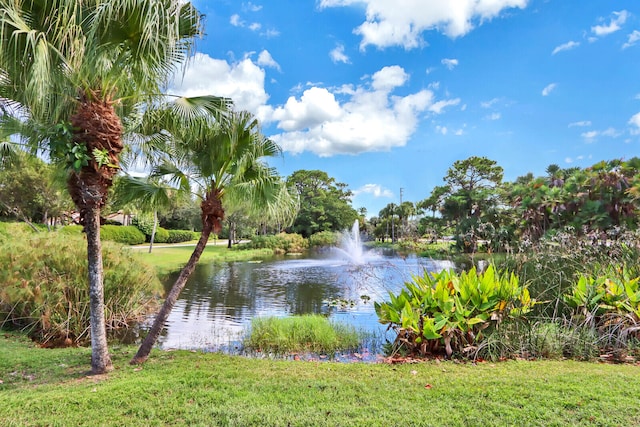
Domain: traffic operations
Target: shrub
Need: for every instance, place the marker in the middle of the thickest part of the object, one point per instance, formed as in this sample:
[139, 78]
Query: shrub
[324, 239]
[308, 333]
[125, 234]
[161, 236]
[179, 236]
[280, 243]
[44, 289]
[450, 312]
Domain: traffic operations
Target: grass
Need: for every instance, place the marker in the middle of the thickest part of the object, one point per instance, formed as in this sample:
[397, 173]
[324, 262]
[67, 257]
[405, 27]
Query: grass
[168, 259]
[298, 334]
[49, 387]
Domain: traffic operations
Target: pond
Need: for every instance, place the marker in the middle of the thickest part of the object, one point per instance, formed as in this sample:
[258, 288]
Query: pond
[215, 309]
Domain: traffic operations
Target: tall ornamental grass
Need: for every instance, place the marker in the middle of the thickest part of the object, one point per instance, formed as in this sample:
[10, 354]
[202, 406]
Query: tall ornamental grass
[44, 289]
[299, 334]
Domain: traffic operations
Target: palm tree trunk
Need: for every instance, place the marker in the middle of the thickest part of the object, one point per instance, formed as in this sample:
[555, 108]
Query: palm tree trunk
[162, 316]
[153, 231]
[100, 359]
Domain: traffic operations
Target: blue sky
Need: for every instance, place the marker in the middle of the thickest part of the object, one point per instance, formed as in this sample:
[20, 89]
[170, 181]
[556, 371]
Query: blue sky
[385, 95]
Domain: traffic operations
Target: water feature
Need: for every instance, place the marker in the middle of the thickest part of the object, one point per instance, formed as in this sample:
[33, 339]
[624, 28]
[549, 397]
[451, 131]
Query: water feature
[219, 300]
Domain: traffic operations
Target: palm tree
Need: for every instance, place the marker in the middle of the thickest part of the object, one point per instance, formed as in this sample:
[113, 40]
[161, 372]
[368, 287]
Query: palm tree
[223, 160]
[75, 68]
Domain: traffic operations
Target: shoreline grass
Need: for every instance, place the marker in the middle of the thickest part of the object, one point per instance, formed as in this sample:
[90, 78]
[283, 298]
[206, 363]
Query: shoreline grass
[300, 334]
[50, 387]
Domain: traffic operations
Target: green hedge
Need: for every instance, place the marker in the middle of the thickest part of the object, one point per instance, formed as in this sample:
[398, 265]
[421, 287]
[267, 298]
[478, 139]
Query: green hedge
[179, 236]
[126, 234]
[161, 236]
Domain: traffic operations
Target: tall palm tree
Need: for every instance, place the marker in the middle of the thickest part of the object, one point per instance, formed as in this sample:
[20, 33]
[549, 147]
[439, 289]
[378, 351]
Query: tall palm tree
[224, 161]
[76, 67]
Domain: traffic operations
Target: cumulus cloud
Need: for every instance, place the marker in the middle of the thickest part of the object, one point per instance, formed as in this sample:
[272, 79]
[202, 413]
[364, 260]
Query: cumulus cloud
[353, 119]
[350, 119]
[615, 24]
[241, 81]
[401, 23]
[566, 46]
[548, 89]
[634, 121]
[583, 123]
[450, 63]
[632, 39]
[374, 189]
[266, 60]
[338, 55]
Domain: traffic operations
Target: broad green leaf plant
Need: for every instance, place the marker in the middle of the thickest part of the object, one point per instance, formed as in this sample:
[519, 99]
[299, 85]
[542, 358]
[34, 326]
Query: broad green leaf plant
[449, 311]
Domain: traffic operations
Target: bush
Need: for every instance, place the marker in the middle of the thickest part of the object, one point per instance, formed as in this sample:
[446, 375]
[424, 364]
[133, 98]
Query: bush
[179, 236]
[309, 333]
[125, 234]
[450, 312]
[324, 239]
[280, 243]
[161, 236]
[44, 287]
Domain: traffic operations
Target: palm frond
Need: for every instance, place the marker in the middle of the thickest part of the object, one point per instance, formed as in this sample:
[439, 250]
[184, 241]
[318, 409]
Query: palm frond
[147, 193]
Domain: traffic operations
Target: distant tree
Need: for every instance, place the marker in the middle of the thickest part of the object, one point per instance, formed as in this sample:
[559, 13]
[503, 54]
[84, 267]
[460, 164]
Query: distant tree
[470, 199]
[325, 205]
[30, 190]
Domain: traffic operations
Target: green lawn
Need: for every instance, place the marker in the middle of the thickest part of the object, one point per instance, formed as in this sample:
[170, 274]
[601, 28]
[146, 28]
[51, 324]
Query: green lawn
[49, 387]
[171, 258]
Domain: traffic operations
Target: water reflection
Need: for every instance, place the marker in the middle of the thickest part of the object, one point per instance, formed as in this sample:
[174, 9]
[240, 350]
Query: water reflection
[219, 300]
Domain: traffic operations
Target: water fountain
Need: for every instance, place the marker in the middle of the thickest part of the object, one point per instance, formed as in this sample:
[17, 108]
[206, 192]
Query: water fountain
[351, 246]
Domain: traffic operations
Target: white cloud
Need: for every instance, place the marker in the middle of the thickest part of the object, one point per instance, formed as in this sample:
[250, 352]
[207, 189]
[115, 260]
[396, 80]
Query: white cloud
[375, 189]
[615, 24]
[442, 129]
[388, 78]
[568, 160]
[266, 60]
[635, 124]
[583, 123]
[236, 21]
[548, 89]
[494, 116]
[450, 63]
[632, 39]
[401, 23]
[592, 135]
[316, 106]
[438, 106]
[369, 117]
[250, 7]
[566, 46]
[346, 120]
[338, 55]
[241, 81]
[490, 103]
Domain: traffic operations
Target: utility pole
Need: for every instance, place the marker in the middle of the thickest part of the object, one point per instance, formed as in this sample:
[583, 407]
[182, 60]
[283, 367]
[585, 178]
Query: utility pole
[400, 215]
